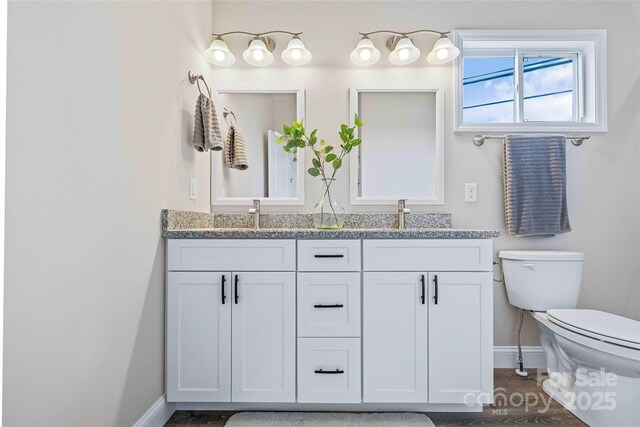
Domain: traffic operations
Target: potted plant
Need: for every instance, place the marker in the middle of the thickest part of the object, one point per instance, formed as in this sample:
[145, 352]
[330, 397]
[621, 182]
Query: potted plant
[327, 213]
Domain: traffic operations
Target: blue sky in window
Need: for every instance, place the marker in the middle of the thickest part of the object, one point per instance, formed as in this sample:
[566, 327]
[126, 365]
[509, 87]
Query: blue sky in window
[489, 86]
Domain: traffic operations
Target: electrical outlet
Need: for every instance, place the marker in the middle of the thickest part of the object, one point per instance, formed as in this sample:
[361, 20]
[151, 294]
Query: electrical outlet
[471, 192]
[193, 188]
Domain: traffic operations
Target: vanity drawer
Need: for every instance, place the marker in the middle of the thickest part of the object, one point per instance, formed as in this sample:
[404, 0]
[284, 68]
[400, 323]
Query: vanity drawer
[329, 304]
[329, 370]
[231, 255]
[329, 255]
[427, 254]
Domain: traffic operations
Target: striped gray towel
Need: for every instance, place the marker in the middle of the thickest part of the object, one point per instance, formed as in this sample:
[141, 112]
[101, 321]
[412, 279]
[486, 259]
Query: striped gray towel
[206, 129]
[535, 185]
[235, 155]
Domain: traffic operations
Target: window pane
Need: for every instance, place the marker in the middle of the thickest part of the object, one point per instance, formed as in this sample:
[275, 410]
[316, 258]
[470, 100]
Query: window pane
[548, 88]
[488, 90]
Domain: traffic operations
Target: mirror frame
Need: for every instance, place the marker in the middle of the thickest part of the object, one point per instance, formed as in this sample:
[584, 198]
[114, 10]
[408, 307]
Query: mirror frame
[354, 166]
[217, 198]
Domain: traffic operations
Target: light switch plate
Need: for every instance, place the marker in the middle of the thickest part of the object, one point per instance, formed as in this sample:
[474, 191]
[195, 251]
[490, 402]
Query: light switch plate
[193, 188]
[471, 192]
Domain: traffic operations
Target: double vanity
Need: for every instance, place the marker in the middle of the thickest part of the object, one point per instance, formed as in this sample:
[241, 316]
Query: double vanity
[299, 319]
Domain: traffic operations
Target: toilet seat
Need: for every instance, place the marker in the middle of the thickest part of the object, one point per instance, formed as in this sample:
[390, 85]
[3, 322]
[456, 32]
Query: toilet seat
[600, 325]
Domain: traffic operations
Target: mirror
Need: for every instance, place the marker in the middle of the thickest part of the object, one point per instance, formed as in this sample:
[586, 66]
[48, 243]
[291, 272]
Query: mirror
[402, 150]
[268, 173]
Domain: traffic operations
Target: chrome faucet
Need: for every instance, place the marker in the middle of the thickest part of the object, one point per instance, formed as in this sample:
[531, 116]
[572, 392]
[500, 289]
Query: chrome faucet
[402, 212]
[255, 211]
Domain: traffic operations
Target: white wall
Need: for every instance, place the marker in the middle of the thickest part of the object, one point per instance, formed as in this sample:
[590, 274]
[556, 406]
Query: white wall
[99, 121]
[603, 174]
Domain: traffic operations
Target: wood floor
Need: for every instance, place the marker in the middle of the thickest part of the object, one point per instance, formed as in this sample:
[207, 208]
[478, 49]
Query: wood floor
[511, 393]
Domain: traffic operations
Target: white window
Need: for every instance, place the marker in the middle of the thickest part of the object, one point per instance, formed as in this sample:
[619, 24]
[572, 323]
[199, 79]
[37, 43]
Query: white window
[531, 80]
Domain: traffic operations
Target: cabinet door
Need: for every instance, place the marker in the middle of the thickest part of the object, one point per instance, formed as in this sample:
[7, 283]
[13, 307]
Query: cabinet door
[198, 337]
[394, 338]
[264, 337]
[460, 337]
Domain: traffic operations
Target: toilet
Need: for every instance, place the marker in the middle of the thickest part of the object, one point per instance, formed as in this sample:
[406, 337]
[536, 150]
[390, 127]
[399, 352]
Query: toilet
[593, 357]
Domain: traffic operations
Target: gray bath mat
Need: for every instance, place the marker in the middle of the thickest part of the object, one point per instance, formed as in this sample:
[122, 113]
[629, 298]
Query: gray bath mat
[323, 419]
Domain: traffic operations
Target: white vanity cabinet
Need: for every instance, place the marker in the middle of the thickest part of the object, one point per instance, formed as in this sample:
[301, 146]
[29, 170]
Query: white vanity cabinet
[231, 335]
[395, 337]
[198, 337]
[460, 306]
[370, 323]
[428, 333]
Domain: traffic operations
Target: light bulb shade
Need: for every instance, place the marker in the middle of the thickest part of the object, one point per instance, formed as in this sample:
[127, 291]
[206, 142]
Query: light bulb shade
[257, 54]
[443, 51]
[365, 53]
[404, 53]
[296, 53]
[218, 54]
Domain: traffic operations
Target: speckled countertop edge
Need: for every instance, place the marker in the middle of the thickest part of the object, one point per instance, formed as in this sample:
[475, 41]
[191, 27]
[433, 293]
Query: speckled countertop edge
[201, 225]
[345, 233]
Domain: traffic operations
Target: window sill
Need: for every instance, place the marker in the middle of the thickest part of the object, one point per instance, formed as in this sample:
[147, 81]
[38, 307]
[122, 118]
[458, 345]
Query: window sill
[532, 127]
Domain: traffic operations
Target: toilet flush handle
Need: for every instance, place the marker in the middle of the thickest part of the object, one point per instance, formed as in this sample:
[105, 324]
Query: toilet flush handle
[529, 266]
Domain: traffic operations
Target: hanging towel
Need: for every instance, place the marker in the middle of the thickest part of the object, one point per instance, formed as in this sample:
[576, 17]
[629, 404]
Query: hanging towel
[535, 187]
[235, 152]
[206, 129]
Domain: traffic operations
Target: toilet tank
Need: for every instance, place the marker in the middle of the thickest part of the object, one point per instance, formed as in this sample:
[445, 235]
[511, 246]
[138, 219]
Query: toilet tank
[542, 280]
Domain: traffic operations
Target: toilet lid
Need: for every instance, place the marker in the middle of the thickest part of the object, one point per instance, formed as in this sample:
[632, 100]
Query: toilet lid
[605, 326]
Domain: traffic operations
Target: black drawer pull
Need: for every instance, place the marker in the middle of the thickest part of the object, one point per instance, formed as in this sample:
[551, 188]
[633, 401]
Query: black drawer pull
[329, 256]
[235, 296]
[435, 293]
[337, 371]
[328, 306]
[422, 283]
[224, 297]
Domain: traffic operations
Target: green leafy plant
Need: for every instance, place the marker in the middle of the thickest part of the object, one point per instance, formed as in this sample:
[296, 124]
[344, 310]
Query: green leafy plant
[325, 161]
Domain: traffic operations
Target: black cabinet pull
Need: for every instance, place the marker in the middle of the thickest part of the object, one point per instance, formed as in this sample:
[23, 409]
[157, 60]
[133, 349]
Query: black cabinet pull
[235, 288]
[435, 294]
[328, 306]
[329, 256]
[224, 279]
[337, 371]
[422, 283]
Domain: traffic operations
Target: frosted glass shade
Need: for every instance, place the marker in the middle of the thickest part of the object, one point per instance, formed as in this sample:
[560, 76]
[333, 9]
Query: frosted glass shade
[218, 54]
[443, 51]
[257, 54]
[296, 53]
[365, 53]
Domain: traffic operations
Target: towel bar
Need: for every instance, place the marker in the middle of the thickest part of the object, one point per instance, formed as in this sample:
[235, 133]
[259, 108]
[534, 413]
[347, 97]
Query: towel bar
[576, 140]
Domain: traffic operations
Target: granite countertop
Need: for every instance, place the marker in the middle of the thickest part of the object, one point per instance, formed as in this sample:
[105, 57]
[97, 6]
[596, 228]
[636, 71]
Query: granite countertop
[345, 233]
[196, 225]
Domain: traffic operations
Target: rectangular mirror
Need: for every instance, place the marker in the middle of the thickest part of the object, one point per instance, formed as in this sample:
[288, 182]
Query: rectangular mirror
[402, 150]
[271, 176]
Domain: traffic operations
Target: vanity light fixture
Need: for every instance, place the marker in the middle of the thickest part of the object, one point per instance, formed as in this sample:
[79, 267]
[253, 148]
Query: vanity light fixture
[260, 50]
[402, 49]
[365, 52]
[218, 53]
[404, 52]
[296, 53]
[443, 51]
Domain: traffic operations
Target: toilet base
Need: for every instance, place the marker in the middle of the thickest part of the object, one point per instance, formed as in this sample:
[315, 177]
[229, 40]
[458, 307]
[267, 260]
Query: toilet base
[597, 383]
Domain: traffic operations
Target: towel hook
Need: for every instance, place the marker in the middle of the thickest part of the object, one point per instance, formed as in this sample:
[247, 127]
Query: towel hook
[195, 79]
[225, 113]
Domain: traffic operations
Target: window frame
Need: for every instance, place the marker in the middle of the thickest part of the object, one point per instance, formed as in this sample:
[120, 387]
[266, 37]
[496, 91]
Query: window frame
[589, 48]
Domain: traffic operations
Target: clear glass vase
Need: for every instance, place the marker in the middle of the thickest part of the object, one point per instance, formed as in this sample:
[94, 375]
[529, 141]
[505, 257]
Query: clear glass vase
[327, 213]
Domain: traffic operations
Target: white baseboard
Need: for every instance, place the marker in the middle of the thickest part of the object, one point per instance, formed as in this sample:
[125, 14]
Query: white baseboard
[158, 414]
[506, 356]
